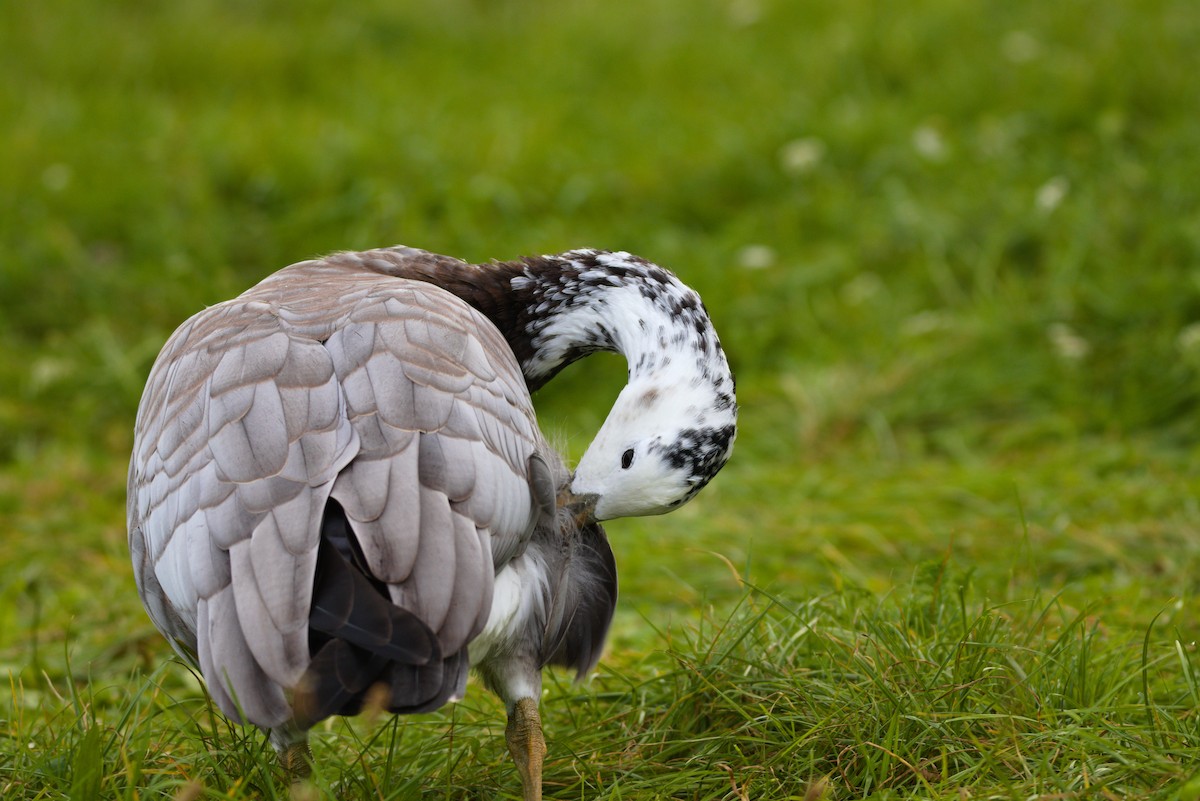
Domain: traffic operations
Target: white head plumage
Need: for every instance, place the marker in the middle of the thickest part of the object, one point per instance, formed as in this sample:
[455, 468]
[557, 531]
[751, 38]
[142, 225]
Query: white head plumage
[673, 425]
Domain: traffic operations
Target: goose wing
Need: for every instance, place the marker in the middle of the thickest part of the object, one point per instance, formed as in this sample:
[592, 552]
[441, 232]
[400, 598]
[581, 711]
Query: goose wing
[390, 396]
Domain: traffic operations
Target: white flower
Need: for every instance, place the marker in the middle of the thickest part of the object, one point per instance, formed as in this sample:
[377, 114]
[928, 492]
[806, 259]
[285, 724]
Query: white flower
[743, 13]
[925, 322]
[1020, 47]
[862, 288]
[1051, 194]
[1069, 345]
[756, 257]
[57, 177]
[1188, 340]
[801, 155]
[929, 143]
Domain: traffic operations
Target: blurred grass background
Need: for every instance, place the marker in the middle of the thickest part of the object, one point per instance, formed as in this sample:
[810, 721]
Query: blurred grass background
[953, 250]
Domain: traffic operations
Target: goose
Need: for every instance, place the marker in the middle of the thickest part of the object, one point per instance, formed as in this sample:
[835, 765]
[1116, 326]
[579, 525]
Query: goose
[339, 492]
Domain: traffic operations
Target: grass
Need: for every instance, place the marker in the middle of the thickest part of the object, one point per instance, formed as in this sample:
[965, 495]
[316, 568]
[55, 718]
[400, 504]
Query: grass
[923, 697]
[952, 249]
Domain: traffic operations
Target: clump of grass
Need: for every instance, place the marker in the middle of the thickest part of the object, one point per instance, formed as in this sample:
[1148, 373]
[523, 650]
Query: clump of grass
[930, 693]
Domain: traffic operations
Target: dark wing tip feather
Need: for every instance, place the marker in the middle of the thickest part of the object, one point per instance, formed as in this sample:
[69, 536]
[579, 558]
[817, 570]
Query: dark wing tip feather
[359, 639]
[347, 606]
[336, 682]
[592, 573]
[414, 689]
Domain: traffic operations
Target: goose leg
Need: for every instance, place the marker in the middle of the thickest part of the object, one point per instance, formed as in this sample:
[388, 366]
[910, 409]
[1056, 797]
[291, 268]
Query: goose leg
[527, 745]
[295, 757]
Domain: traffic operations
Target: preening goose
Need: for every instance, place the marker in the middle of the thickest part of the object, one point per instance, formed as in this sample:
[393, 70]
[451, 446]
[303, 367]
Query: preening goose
[338, 482]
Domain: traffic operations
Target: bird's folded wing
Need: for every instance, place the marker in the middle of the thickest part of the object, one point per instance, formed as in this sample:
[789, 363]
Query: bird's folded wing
[240, 435]
[441, 488]
[393, 396]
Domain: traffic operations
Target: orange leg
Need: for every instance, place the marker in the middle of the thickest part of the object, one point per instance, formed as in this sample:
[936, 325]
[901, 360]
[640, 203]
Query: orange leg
[527, 745]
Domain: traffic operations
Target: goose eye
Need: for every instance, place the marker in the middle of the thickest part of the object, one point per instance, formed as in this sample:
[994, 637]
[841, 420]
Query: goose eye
[627, 459]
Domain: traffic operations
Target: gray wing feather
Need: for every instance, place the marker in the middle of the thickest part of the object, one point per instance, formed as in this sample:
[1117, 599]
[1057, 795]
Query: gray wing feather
[447, 463]
[203, 644]
[244, 690]
[383, 507]
[228, 522]
[209, 565]
[178, 632]
[430, 588]
[472, 585]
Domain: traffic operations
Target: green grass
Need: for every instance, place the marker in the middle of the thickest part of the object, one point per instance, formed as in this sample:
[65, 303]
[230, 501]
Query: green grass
[953, 250]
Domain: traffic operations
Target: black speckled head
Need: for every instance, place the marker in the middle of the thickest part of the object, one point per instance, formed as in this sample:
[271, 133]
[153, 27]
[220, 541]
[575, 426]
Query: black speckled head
[673, 425]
